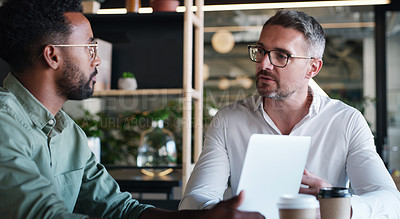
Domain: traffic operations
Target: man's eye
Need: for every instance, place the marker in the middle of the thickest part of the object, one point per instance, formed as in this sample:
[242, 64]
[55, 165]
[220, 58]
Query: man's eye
[281, 55]
[260, 50]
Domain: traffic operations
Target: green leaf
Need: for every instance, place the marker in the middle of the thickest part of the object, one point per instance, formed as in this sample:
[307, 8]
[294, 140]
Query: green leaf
[128, 74]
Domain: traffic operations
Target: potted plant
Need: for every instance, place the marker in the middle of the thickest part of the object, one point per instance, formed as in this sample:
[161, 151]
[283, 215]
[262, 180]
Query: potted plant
[117, 138]
[164, 5]
[120, 134]
[90, 124]
[127, 81]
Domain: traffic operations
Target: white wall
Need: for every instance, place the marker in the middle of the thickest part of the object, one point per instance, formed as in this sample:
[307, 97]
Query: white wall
[75, 108]
[369, 79]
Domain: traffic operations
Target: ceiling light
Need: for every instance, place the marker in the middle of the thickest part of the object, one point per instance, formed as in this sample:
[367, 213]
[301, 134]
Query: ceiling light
[254, 6]
[145, 10]
[303, 4]
[223, 41]
[259, 27]
[112, 11]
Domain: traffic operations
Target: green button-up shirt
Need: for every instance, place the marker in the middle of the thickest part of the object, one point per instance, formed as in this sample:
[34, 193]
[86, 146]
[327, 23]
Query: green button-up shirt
[46, 167]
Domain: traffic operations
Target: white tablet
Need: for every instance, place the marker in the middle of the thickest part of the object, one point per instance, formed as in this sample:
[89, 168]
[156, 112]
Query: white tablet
[273, 166]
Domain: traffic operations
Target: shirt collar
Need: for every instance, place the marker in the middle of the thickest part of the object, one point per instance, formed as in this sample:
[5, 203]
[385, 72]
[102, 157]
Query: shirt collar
[316, 102]
[257, 102]
[38, 113]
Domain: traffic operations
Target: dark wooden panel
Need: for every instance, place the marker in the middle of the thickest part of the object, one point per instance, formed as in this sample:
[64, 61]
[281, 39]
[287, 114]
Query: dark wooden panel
[4, 70]
[149, 45]
[381, 83]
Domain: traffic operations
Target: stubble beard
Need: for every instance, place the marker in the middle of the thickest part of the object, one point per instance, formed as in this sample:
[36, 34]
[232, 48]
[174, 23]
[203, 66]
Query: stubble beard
[73, 84]
[266, 91]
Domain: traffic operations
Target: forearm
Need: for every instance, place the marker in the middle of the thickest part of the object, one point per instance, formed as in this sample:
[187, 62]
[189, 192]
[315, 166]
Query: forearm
[375, 194]
[207, 187]
[378, 204]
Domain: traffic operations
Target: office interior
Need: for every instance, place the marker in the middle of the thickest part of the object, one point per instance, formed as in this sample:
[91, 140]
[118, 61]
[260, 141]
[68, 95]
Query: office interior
[361, 67]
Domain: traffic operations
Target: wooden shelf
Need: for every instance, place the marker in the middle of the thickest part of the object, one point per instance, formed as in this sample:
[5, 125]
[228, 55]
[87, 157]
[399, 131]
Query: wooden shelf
[139, 92]
[178, 40]
[146, 92]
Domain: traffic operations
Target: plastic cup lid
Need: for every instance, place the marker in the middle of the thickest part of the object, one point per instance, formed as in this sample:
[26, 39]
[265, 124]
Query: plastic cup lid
[334, 192]
[297, 201]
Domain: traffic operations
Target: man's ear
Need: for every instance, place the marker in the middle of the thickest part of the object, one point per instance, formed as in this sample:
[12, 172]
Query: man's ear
[316, 65]
[52, 56]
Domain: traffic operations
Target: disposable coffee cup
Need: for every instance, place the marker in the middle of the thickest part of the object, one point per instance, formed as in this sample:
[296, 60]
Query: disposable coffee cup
[298, 206]
[334, 203]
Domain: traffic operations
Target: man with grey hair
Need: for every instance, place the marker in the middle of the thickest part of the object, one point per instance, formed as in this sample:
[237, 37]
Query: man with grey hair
[47, 169]
[287, 55]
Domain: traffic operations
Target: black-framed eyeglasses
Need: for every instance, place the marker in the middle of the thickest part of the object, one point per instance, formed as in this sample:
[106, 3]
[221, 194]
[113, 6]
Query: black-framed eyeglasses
[92, 48]
[277, 58]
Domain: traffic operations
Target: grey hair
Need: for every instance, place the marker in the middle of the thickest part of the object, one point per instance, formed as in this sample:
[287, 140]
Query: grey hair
[300, 21]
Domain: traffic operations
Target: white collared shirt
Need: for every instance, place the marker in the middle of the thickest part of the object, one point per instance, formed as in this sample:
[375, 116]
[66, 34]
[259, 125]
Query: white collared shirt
[342, 149]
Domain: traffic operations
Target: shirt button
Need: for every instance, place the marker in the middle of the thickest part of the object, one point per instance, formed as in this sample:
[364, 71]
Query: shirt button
[51, 122]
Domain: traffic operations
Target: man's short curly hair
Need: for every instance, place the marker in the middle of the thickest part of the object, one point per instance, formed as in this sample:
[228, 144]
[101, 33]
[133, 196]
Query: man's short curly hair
[29, 25]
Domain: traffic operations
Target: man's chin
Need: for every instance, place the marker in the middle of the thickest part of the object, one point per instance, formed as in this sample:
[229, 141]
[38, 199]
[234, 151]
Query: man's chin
[262, 91]
[89, 94]
[81, 95]
[270, 94]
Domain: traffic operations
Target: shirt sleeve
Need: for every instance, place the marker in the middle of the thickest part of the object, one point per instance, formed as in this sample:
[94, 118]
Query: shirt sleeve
[24, 191]
[209, 179]
[375, 194]
[100, 195]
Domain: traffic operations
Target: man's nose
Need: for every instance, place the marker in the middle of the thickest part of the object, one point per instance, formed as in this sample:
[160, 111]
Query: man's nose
[97, 61]
[266, 62]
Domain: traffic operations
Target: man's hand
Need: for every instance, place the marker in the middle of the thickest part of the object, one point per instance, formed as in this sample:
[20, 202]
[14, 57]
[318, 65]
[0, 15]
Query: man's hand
[313, 182]
[228, 209]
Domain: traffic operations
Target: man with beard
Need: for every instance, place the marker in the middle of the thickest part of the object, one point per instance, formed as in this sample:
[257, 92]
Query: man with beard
[287, 55]
[46, 167]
